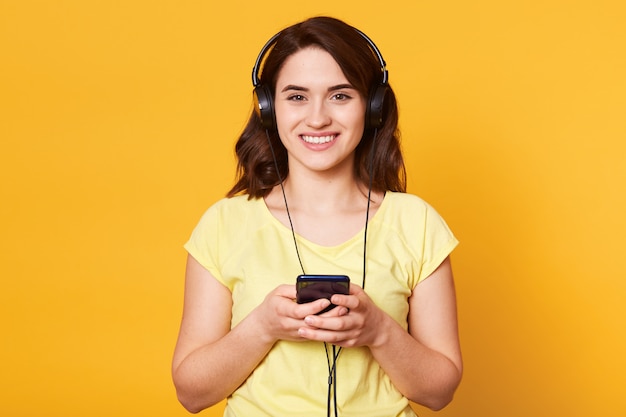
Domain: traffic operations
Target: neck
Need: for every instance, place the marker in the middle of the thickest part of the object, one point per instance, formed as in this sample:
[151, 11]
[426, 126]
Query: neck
[324, 192]
[325, 211]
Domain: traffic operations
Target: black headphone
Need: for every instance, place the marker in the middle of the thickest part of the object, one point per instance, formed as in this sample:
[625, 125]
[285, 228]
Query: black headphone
[264, 101]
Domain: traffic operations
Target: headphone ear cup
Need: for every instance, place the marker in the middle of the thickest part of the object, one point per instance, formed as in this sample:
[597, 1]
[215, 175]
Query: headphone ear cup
[374, 111]
[264, 107]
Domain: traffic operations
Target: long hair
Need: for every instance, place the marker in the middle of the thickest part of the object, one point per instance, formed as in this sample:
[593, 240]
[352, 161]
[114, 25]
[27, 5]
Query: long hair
[256, 169]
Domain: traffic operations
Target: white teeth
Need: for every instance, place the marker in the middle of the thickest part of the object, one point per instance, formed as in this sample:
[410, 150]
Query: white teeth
[318, 139]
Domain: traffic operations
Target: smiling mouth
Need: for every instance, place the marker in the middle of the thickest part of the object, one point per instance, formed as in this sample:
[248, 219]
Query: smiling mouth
[318, 139]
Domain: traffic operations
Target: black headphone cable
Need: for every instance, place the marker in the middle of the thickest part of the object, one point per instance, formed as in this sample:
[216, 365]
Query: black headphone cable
[282, 187]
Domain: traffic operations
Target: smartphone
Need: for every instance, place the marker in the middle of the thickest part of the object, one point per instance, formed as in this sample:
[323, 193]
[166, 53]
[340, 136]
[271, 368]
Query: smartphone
[313, 287]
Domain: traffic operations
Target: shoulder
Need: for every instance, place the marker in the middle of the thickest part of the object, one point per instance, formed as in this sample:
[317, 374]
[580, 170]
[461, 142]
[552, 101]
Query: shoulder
[404, 211]
[233, 205]
[418, 228]
[232, 212]
[406, 203]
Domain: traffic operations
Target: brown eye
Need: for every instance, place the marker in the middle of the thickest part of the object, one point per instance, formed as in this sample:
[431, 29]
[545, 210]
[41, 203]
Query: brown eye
[341, 97]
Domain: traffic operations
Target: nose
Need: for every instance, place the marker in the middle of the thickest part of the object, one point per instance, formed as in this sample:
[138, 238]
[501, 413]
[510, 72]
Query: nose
[318, 115]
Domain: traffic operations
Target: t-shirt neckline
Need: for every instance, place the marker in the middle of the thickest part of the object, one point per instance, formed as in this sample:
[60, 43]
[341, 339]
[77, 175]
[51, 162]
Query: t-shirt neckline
[301, 239]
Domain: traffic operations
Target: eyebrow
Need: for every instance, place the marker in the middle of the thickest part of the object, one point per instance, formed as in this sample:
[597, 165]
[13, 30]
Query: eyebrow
[292, 87]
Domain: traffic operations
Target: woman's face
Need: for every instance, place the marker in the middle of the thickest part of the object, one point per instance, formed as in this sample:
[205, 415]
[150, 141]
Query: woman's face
[320, 116]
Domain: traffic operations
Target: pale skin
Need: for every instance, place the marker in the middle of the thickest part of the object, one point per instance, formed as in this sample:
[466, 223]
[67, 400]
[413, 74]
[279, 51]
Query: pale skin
[327, 206]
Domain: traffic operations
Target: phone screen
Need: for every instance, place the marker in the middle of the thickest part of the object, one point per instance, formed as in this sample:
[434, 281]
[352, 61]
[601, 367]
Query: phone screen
[313, 287]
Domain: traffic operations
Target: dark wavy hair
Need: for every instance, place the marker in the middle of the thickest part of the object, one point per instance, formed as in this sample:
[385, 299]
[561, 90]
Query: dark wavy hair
[256, 170]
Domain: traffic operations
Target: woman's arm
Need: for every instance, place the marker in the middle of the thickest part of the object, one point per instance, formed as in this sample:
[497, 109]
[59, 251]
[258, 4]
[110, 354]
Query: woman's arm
[211, 360]
[424, 363]
[428, 366]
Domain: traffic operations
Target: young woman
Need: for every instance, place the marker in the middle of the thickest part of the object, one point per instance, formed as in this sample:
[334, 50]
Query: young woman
[320, 190]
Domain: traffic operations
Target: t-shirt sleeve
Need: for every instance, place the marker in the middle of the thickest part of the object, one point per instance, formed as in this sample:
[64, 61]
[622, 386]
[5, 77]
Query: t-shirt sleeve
[439, 242]
[203, 242]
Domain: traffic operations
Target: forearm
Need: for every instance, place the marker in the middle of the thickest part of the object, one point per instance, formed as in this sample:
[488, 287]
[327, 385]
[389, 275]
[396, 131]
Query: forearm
[423, 375]
[211, 373]
[425, 362]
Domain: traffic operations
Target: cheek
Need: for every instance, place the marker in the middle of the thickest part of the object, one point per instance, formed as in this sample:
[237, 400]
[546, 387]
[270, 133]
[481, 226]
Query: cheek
[355, 114]
[283, 127]
[284, 124]
[284, 116]
[355, 118]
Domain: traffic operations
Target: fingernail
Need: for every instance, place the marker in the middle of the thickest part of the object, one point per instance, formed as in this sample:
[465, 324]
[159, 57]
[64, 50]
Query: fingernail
[308, 320]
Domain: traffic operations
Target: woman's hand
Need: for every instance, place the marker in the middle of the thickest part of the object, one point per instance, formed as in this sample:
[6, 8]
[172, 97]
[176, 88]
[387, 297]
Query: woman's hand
[424, 363]
[280, 317]
[206, 341]
[356, 321]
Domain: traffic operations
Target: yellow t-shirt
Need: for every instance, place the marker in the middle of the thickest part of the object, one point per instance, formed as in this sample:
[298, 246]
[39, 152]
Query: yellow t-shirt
[249, 251]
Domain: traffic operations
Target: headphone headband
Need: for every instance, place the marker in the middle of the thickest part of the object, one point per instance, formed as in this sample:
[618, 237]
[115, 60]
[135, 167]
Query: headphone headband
[257, 65]
[383, 64]
[255, 71]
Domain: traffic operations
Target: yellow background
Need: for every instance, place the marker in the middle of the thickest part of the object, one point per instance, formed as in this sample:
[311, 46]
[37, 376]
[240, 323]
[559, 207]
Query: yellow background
[117, 122]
